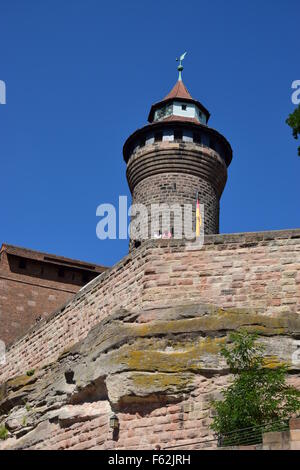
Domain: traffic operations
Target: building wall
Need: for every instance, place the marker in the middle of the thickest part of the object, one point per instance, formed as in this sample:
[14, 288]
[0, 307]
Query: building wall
[256, 270]
[30, 289]
[24, 298]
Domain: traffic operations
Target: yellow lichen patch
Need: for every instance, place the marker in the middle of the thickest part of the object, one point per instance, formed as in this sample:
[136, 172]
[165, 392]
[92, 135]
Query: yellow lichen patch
[271, 362]
[263, 330]
[21, 381]
[161, 382]
[190, 356]
[223, 320]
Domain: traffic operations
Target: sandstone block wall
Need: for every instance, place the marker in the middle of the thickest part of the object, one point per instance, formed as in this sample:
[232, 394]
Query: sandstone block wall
[256, 270]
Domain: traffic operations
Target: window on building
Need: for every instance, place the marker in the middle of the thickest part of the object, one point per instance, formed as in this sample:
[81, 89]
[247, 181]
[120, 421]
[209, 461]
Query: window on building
[158, 137]
[197, 138]
[61, 272]
[212, 144]
[178, 135]
[85, 277]
[183, 107]
[169, 110]
[143, 142]
[22, 263]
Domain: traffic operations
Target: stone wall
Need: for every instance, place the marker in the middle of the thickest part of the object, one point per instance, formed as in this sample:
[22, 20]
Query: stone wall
[286, 440]
[255, 270]
[283, 440]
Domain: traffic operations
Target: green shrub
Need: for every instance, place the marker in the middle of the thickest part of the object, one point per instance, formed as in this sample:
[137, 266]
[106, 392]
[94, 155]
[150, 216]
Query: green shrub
[257, 399]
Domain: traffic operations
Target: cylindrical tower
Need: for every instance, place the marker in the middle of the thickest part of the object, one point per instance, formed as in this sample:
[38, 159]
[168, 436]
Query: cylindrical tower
[176, 156]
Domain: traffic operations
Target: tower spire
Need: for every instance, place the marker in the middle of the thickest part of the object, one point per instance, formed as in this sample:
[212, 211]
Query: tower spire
[180, 66]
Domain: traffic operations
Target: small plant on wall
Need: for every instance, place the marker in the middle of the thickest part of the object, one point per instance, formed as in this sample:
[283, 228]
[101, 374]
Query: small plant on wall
[3, 433]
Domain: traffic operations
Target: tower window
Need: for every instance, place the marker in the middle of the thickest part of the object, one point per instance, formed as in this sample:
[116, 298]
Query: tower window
[143, 142]
[158, 137]
[183, 107]
[212, 144]
[177, 134]
[197, 138]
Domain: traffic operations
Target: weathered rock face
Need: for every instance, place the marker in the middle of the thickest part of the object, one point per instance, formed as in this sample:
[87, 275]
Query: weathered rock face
[156, 369]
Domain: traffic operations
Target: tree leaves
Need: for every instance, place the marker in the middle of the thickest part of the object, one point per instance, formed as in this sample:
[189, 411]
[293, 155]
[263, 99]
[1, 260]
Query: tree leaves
[258, 396]
[294, 122]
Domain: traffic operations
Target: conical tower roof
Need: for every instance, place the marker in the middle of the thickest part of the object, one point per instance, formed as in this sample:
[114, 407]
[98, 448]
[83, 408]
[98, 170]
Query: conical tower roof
[179, 92]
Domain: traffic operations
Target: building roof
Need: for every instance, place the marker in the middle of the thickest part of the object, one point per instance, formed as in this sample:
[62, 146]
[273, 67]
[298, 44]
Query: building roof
[180, 92]
[49, 258]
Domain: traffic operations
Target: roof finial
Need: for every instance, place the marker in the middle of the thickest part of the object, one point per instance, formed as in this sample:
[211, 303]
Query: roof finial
[180, 66]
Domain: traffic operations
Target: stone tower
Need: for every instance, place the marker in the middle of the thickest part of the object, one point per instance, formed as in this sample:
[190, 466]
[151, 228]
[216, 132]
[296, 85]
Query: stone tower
[177, 155]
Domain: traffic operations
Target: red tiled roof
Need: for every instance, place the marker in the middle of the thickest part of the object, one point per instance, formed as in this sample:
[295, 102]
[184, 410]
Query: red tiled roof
[179, 90]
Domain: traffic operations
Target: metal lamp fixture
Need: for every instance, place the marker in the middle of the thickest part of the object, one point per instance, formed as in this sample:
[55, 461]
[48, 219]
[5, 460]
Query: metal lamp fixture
[114, 422]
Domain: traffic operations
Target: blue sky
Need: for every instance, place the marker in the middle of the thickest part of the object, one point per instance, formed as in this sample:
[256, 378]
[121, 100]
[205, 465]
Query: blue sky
[81, 76]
